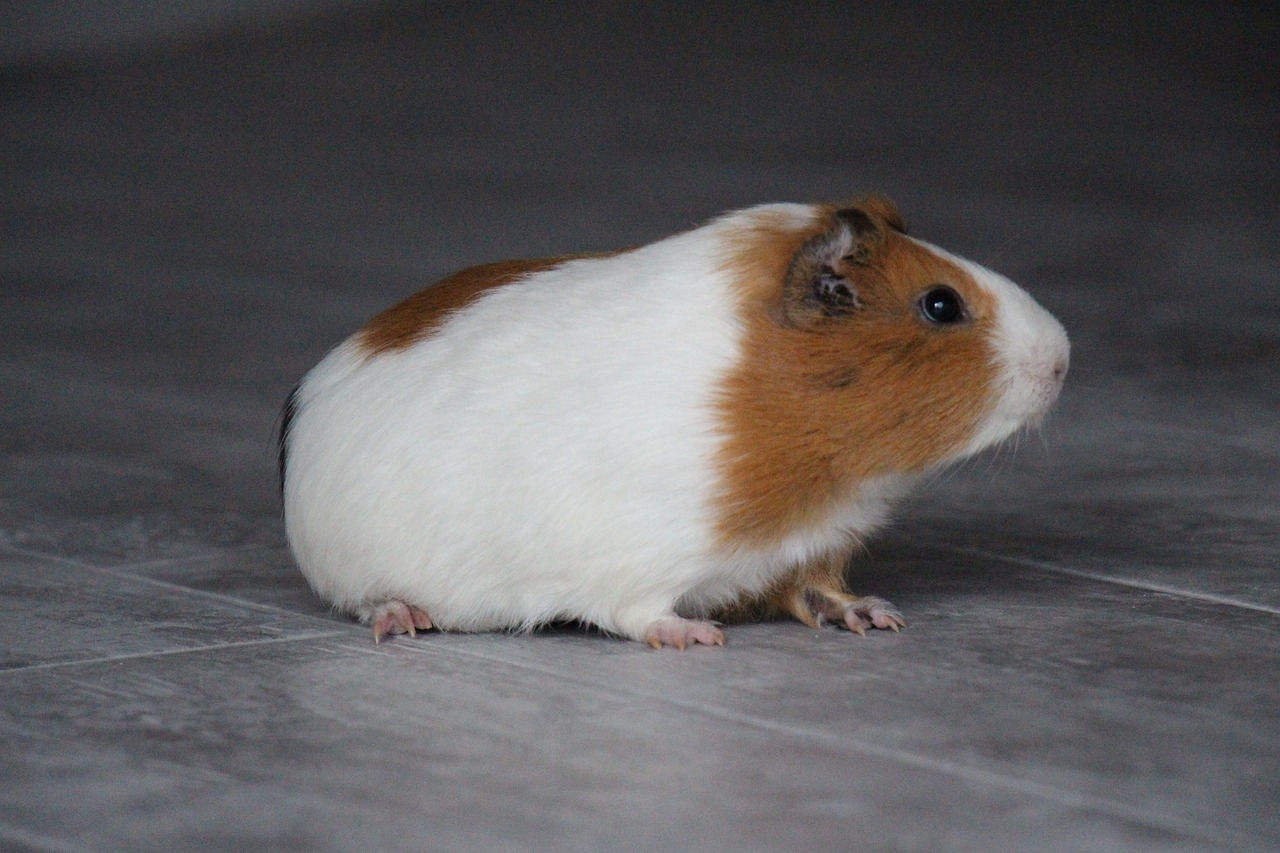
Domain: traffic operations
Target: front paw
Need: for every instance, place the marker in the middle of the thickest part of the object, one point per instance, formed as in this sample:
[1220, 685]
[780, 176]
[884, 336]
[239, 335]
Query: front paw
[865, 612]
[855, 612]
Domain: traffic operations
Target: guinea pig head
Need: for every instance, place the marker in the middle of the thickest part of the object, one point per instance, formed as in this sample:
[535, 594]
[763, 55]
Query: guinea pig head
[874, 354]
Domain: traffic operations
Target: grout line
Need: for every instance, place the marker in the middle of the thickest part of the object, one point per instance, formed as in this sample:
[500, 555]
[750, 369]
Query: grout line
[39, 842]
[333, 629]
[310, 635]
[1051, 793]
[968, 773]
[220, 597]
[158, 563]
[1149, 586]
[19, 551]
[126, 573]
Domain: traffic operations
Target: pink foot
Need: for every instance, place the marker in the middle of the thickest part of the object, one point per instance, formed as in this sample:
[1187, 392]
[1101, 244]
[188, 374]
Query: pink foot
[396, 617]
[680, 633]
[869, 612]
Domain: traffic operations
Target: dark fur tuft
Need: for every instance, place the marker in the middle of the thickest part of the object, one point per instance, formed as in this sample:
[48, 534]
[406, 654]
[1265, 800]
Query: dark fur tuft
[282, 441]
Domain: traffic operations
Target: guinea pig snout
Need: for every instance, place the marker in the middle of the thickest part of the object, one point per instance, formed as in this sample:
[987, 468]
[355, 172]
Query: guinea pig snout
[1055, 369]
[1045, 373]
[1060, 368]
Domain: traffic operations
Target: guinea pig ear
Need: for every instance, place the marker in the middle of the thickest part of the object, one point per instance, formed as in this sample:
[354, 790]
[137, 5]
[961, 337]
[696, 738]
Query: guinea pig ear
[818, 284]
[881, 207]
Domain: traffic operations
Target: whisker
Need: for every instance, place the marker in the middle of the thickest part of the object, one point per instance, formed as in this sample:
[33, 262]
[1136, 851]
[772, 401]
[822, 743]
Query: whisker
[1003, 247]
[991, 459]
[952, 471]
[1010, 451]
[945, 474]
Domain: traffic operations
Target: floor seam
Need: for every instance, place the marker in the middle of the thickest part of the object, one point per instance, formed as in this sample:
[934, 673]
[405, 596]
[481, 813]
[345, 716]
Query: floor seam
[1149, 586]
[40, 842]
[1052, 793]
[1044, 791]
[127, 574]
[293, 638]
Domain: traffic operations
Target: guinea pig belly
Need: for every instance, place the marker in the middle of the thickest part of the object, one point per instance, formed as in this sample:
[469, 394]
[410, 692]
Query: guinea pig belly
[545, 453]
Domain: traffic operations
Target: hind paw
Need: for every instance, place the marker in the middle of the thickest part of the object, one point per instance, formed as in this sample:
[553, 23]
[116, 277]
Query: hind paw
[396, 617]
[681, 633]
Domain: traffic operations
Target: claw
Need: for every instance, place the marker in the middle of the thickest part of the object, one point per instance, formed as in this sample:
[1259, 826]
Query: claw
[396, 617]
[861, 614]
[420, 618]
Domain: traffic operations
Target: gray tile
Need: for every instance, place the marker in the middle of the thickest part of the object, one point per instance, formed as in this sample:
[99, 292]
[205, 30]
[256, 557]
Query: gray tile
[262, 576]
[1152, 703]
[335, 745]
[97, 466]
[138, 535]
[53, 612]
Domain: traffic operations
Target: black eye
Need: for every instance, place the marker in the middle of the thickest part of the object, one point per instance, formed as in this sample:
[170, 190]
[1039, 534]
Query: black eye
[941, 305]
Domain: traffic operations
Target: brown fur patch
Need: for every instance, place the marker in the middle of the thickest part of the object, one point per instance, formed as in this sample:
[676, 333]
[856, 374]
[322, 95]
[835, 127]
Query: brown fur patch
[793, 595]
[813, 410]
[413, 319]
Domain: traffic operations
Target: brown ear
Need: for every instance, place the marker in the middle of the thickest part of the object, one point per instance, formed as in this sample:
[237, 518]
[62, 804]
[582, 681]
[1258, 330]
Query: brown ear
[819, 283]
[882, 208]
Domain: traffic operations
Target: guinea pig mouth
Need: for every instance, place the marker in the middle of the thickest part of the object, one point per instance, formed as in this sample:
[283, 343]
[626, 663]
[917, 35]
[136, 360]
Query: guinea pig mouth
[1037, 377]
[1045, 382]
[1025, 399]
[1058, 372]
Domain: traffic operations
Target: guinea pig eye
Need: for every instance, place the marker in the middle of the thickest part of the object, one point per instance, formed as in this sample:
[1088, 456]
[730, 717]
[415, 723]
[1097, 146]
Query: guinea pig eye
[941, 305]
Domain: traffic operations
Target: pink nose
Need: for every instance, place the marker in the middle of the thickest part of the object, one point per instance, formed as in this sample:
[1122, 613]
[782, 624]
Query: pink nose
[1059, 369]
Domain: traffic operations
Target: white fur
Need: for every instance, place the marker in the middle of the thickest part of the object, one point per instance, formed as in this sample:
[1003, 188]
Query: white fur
[547, 454]
[548, 451]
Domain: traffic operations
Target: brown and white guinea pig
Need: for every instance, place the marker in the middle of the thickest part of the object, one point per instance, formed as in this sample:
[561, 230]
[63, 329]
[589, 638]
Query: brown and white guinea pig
[641, 440]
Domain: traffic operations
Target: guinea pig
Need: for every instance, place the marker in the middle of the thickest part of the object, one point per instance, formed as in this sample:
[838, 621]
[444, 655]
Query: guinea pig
[647, 439]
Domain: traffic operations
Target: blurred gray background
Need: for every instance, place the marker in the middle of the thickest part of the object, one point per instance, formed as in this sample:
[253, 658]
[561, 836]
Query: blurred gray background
[198, 199]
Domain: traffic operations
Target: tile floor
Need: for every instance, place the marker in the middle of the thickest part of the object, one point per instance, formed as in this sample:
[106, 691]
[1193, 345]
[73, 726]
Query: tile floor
[1093, 659]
